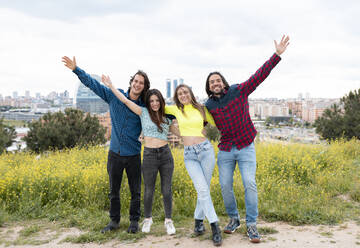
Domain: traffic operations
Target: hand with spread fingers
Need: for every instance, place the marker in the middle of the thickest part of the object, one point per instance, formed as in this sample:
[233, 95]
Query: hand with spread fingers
[106, 81]
[281, 47]
[71, 64]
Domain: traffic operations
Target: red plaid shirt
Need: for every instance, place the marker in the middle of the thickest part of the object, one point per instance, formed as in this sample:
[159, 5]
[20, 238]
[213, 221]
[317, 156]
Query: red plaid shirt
[231, 110]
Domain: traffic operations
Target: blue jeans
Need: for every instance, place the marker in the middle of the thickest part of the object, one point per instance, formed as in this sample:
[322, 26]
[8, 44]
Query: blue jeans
[200, 162]
[246, 159]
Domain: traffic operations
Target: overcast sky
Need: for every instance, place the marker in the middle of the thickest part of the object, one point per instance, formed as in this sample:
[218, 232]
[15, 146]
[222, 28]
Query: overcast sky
[187, 39]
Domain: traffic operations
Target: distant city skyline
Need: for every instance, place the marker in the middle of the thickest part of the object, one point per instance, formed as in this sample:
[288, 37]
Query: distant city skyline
[187, 39]
[301, 95]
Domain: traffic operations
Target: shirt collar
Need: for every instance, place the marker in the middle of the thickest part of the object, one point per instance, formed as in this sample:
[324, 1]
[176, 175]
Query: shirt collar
[138, 101]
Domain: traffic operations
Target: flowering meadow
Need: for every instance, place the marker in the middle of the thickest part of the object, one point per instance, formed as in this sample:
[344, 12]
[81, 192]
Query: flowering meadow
[297, 183]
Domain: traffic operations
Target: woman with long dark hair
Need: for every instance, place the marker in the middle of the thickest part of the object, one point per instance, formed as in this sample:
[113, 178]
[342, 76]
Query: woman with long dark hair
[199, 156]
[157, 155]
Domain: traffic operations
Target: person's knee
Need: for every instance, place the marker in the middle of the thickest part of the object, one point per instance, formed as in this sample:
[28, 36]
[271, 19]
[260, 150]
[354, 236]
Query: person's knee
[226, 186]
[148, 194]
[226, 179]
[203, 193]
[167, 193]
[250, 185]
[114, 196]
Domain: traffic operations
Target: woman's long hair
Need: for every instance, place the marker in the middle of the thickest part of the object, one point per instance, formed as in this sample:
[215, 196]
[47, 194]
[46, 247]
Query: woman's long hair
[193, 102]
[158, 117]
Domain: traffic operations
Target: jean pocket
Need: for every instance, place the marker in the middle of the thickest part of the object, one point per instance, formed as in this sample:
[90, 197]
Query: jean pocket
[207, 146]
[186, 153]
[146, 152]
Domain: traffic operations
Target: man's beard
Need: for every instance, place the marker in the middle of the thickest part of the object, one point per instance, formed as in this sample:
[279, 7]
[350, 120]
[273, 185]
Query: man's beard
[221, 92]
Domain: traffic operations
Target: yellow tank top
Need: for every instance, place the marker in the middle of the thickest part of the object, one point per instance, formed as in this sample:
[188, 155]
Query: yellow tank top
[193, 123]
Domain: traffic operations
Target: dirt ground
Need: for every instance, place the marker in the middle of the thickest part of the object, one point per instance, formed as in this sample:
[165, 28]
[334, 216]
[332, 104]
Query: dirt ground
[346, 235]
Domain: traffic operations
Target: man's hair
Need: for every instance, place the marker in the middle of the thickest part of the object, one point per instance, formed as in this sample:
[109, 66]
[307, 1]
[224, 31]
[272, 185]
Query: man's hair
[146, 83]
[207, 87]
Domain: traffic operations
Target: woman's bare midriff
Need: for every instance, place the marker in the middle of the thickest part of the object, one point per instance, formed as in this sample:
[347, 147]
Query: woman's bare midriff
[151, 142]
[192, 140]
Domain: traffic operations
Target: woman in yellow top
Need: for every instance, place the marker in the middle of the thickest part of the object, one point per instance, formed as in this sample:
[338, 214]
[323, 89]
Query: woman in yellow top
[199, 156]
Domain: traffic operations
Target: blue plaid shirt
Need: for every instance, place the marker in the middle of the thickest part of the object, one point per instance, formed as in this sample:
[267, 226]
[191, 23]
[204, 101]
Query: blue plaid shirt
[126, 125]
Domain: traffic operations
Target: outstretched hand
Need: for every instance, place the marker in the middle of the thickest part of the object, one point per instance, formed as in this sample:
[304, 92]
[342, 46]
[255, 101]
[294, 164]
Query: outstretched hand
[281, 47]
[71, 64]
[106, 81]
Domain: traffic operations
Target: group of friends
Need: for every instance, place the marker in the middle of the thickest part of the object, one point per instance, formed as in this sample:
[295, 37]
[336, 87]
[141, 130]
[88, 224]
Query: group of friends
[141, 109]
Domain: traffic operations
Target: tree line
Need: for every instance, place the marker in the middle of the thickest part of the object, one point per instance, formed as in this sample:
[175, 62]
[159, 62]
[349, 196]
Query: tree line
[73, 127]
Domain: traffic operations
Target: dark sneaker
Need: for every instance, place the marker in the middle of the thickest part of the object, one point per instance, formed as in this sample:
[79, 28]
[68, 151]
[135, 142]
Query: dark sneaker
[253, 234]
[113, 225]
[232, 226]
[134, 227]
[199, 227]
[216, 234]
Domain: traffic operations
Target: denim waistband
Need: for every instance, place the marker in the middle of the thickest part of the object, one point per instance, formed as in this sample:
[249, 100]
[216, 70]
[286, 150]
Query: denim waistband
[197, 147]
[157, 150]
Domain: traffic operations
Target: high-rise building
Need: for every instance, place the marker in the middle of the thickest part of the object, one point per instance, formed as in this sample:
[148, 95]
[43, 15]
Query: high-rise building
[168, 88]
[52, 95]
[38, 95]
[175, 84]
[88, 101]
[15, 95]
[27, 94]
[66, 94]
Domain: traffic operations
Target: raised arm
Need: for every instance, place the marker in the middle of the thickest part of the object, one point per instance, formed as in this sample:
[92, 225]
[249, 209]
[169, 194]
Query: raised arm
[263, 72]
[90, 82]
[281, 47]
[131, 105]
[71, 64]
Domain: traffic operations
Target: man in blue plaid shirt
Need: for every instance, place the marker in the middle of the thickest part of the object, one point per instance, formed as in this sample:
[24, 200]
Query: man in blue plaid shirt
[125, 148]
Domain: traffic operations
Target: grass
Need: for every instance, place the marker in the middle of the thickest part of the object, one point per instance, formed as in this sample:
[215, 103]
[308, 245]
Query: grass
[327, 234]
[267, 230]
[30, 230]
[298, 184]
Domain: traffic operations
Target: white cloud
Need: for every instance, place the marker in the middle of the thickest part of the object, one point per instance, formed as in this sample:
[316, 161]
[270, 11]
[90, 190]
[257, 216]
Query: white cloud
[185, 39]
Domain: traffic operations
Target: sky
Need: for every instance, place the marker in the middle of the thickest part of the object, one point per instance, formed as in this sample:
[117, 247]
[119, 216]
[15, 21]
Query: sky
[187, 39]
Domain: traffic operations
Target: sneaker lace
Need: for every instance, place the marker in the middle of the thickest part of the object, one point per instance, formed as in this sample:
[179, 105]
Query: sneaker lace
[169, 224]
[146, 222]
[253, 231]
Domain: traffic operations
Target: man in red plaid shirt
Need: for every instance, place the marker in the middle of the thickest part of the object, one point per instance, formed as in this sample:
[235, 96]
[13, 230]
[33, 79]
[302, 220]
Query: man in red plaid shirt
[230, 108]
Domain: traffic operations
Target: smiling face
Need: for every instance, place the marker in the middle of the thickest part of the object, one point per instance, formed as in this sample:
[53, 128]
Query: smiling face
[154, 103]
[184, 96]
[216, 85]
[137, 85]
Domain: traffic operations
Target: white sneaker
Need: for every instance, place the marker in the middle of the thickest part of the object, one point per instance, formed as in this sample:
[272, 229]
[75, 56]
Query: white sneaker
[146, 225]
[169, 225]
